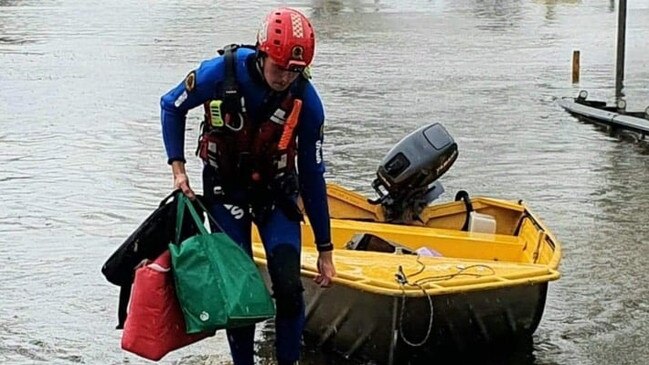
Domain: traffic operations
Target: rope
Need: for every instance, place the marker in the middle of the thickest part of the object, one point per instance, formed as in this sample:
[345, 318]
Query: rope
[402, 278]
[460, 272]
[430, 321]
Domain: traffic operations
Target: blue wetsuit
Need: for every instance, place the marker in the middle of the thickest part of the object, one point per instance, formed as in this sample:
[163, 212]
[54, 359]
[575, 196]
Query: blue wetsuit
[280, 235]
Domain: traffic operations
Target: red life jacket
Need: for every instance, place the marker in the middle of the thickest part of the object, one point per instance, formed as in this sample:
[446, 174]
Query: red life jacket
[245, 153]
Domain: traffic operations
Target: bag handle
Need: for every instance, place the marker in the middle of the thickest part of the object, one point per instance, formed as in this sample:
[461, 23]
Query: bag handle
[185, 202]
[168, 197]
[180, 215]
[209, 215]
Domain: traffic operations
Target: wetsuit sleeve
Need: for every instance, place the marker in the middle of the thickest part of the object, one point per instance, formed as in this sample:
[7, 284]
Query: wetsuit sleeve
[311, 168]
[198, 87]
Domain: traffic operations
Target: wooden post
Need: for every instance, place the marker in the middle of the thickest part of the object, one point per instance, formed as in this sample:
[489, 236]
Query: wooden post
[621, 36]
[575, 66]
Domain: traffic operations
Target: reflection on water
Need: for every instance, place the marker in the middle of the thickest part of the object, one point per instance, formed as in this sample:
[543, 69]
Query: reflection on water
[83, 162]
[552, 6]
[501, 15]
[321, 8]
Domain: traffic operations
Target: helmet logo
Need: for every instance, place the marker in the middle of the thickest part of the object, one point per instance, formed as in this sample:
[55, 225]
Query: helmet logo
[297, 53]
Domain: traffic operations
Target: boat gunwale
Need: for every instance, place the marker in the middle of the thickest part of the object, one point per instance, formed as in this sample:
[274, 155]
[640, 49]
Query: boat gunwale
[435, 287]
[542, 274]
[479, 202]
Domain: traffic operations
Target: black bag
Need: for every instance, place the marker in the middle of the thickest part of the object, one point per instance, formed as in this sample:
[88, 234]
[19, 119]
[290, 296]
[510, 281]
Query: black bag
[148, 241]
[370, 242]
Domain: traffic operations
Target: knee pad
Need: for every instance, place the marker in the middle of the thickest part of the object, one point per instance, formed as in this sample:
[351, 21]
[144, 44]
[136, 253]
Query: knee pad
[284, 270]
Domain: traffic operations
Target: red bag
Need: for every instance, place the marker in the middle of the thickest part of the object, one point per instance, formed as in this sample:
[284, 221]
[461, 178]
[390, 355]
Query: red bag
[155, 325]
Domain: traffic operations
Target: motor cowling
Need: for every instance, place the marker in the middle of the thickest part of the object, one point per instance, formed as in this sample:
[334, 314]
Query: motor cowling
[407, 177]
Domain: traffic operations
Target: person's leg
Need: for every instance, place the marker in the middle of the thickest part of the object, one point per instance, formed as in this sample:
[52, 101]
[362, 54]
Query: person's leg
[237, 225]
[281, 238]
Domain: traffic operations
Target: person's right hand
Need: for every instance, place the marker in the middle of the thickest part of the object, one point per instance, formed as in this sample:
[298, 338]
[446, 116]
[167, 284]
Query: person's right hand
[326, 269]
[181, 181]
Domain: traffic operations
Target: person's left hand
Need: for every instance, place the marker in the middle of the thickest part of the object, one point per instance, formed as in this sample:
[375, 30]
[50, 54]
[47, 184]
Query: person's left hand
[326, 269]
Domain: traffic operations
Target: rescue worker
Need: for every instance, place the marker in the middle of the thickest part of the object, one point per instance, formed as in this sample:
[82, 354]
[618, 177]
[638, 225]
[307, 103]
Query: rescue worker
[263, 124]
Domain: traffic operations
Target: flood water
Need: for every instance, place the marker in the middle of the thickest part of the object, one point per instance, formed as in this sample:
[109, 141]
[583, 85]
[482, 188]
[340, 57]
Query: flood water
[83, 162]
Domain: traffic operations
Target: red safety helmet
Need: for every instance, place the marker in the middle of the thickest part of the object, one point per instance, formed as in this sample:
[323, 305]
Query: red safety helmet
[286, 36]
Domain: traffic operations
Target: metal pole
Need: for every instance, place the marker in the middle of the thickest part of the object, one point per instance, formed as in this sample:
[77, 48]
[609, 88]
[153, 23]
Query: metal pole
[621, 36]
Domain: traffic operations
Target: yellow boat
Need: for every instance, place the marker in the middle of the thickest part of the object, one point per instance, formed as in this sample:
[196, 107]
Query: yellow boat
[454, 277]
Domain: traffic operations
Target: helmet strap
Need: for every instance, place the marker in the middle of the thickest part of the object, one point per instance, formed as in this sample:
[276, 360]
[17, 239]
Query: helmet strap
[259, 64]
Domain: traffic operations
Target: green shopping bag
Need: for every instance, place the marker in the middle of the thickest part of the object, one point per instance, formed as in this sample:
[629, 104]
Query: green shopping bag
[218, 285]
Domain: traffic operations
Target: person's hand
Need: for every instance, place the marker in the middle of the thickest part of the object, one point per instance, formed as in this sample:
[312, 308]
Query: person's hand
[181, 181]
[326, 269]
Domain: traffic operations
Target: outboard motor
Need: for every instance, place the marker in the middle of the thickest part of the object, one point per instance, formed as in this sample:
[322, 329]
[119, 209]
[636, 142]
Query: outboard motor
[407, 177]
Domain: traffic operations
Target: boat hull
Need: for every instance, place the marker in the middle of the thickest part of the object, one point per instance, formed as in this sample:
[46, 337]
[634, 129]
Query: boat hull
[369, 326]
[598, 113]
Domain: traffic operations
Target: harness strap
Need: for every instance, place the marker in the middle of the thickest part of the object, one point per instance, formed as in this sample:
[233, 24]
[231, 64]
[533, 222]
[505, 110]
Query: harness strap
[230, 87]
